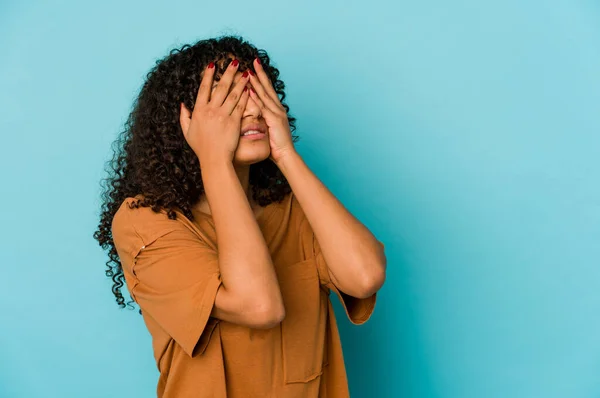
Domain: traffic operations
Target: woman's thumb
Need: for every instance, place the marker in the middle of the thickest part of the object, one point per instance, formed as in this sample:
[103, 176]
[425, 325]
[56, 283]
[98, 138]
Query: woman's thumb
[184, 117]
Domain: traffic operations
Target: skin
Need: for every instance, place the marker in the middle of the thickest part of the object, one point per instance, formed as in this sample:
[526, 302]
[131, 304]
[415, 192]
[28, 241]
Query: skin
[250, 292]
[247, 152]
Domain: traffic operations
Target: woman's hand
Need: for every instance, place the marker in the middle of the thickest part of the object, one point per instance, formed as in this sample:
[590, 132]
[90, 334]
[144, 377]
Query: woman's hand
[275, 115]
[212, 129]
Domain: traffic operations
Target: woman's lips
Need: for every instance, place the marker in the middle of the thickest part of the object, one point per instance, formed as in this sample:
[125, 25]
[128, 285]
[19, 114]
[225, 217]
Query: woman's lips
[257, 136]
[254, 135]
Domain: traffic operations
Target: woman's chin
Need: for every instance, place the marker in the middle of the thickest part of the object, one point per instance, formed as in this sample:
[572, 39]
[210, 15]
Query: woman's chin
[248, 156]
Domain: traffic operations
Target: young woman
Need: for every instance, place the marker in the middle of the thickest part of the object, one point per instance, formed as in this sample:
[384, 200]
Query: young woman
[226, 240]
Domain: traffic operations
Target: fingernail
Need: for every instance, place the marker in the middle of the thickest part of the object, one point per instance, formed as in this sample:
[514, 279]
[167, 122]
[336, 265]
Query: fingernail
[245, 89]
[258, 60]
[211, 65]
[251, 73]
[235, 62]
[252, 90]
[245, 74]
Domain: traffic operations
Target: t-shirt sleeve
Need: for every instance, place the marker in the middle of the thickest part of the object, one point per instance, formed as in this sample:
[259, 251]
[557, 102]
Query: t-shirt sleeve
[174, 274]
[358, 310]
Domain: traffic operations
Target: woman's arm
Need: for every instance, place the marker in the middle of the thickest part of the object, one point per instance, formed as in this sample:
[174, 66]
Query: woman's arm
[355, 258]
[250, 292]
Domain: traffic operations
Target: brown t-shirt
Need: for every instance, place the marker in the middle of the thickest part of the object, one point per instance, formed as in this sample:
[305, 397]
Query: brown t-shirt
[171, 271]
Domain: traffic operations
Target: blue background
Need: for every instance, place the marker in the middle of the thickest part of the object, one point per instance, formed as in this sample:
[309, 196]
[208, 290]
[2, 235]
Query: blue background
[464, 134]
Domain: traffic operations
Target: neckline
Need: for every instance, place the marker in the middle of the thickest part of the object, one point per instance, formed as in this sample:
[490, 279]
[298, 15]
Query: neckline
[267, 210]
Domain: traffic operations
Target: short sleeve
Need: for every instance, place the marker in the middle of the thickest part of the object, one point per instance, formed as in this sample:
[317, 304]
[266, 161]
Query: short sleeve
[175, 274]
[358, 310]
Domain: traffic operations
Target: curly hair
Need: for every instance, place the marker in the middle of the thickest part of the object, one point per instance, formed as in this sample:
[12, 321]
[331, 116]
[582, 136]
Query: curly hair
[151, 156]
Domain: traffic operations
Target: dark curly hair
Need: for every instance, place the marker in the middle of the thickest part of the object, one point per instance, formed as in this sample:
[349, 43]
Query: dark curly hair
[151, 156]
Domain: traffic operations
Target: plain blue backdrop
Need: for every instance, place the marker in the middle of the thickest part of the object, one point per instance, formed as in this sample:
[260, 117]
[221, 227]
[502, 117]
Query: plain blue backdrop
[464, 134]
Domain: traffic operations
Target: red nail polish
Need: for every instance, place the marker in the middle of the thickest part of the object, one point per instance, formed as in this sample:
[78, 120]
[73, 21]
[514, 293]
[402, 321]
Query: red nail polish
[245, 89]
[245, 74]
[251, 73]
[211, 65]
[258, 60]
[235, 62]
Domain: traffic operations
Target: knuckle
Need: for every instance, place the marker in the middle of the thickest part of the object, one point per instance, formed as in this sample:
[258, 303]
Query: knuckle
[210, 112]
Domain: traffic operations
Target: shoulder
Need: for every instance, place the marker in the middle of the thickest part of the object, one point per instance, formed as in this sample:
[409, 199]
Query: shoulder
[290, 205]
[134, 226]
[130, 214]
[289, 212]
[299, 225]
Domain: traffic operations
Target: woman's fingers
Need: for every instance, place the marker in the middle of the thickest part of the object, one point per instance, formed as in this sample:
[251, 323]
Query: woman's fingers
[263, 108]
[264, 97]
[235, 95]
[255, 98]
[240, 107]
[205, 85]
[266, 82]
[220, 93]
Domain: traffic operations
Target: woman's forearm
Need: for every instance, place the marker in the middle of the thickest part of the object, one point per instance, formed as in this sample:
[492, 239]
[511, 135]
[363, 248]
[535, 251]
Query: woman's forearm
[355, 258]
[250, 292]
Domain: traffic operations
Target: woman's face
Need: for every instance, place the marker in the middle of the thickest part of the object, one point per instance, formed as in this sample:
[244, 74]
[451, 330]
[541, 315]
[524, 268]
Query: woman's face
[250, 151]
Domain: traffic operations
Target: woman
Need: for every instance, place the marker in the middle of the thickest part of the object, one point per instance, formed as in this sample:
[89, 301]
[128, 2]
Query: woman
[226, 240]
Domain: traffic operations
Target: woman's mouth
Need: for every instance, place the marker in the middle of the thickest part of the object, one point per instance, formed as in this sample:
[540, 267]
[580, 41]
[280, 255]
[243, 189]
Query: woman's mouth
[253, 135]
